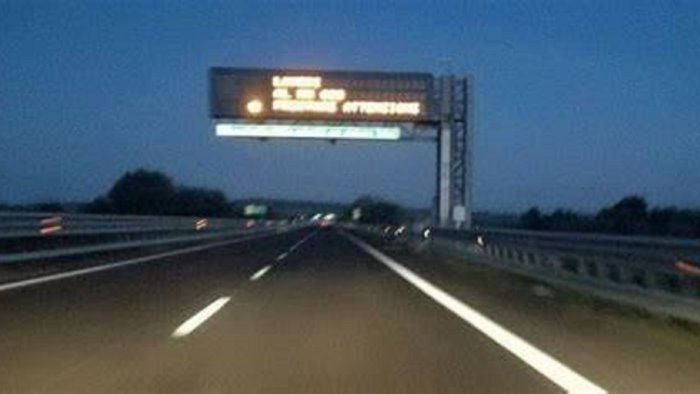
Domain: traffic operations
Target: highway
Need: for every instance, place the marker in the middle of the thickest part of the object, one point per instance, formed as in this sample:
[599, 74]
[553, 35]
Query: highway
[319, 310]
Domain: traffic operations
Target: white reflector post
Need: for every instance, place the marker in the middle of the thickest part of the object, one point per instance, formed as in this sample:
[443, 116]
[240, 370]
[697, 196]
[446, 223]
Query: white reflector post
[307, 131]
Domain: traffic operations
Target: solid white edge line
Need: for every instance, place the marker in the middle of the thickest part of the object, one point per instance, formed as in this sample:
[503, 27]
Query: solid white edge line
[545, 364]
[137, 260]
[200, 317]
[262, 271]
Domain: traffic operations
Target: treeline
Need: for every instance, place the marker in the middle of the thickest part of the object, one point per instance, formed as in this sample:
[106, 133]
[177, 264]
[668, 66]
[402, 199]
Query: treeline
[144, 192]
[629, 216]
[147, 192]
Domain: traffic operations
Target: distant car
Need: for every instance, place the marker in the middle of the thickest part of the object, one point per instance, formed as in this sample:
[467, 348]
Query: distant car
[325, 223]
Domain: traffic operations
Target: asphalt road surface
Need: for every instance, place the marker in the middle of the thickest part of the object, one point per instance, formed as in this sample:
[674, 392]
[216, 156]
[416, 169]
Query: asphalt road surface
[305, 311]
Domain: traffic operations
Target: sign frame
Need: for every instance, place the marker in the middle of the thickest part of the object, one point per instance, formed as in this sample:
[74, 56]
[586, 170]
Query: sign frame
[357, 96]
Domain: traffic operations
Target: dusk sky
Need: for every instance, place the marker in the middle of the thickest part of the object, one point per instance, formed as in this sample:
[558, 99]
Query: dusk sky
[577, 103]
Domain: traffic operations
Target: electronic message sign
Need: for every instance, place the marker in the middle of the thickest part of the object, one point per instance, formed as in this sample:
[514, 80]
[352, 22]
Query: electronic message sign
[307, 95]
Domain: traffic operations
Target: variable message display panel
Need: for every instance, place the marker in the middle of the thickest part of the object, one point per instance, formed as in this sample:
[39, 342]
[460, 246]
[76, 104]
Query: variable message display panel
[307, 95]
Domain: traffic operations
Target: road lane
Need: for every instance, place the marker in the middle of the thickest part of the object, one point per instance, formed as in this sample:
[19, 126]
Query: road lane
[331, 319]
[325, 318]
[623, 350]
[553, 369]
[54, 329]
[105, 266]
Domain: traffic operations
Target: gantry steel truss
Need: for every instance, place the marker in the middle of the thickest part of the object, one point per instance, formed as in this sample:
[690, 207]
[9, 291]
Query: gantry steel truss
[454, 151]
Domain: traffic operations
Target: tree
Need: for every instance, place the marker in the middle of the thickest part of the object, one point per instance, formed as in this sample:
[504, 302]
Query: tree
[193, 201]
[142, 192]
[627, 216]
[532, 219]
[47, 207]
[674, 222]
[630, 215]
[564, 220]
[145, 192]
[100, 204]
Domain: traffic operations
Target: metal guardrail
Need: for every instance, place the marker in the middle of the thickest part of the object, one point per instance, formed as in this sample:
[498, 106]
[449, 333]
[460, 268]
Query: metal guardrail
[112, 246]
[656, 264]
[37, 224]
[659, 274]
[28, 236]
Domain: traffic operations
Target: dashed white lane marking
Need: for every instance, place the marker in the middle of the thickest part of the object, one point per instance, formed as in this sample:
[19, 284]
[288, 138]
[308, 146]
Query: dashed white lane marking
[262, 271]
[282, 256]
[545, 364]
[259, 274]
[298, 244]
[200, 317]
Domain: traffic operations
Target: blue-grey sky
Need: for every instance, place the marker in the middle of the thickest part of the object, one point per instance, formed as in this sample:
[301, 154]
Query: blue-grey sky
[577, 103]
